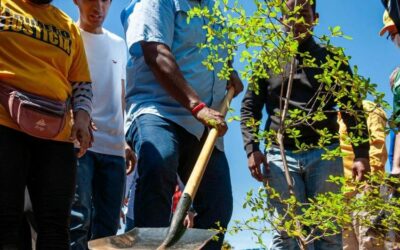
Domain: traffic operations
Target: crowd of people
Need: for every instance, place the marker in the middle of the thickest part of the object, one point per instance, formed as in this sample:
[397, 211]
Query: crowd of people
[81, 108]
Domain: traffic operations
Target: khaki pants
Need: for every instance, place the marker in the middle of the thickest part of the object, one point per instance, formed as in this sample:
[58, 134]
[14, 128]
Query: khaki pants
[355, 238]
[393, 242]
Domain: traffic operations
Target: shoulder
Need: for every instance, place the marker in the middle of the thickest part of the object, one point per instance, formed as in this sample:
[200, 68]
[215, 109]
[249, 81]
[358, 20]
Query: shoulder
[63, 17]
[116, 41]
[161, 4]
[113, 37]
[372, 109]
[157, 2]
[67, 22]
[319, 47]
[331, 50]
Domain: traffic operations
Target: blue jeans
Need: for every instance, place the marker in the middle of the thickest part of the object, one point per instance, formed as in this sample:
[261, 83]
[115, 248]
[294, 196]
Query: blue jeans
[164, 150]
[130, 224]
[98, 198]
[309, 173]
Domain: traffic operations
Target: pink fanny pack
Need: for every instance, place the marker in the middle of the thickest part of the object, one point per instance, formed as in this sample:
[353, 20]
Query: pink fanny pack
[35, 115]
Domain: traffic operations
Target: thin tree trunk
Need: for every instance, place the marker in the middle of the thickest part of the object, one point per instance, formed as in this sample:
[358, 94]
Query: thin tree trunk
[281, 130]
[280, 135]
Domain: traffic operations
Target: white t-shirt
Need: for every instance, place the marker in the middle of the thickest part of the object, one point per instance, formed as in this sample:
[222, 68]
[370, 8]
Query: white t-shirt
[107, 55]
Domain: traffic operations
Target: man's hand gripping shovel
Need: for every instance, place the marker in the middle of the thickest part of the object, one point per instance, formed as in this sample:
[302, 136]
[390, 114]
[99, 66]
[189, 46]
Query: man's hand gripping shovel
[176, 236]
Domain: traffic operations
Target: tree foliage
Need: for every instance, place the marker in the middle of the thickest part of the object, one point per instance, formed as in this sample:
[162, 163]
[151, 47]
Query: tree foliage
[267, 46]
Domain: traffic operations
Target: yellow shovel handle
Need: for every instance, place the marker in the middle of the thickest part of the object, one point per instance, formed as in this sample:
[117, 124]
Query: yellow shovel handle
[199, 168]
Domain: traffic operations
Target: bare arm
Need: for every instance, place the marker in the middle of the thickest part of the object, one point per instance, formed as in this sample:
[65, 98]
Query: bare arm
[163, 64]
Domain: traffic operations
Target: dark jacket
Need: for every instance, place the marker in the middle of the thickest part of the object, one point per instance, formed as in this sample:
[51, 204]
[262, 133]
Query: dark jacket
[303, 97]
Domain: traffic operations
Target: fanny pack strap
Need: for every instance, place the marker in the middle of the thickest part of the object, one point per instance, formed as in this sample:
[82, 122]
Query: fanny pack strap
[5, 91]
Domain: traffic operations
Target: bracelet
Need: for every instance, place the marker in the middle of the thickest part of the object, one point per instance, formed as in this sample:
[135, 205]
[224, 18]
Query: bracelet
[198, 107]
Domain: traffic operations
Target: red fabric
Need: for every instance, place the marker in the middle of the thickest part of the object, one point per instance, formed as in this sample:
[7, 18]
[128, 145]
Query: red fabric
[175, 198]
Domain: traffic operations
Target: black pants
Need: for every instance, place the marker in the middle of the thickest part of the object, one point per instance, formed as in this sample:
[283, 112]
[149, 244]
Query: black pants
[48, 168]
[25, 233]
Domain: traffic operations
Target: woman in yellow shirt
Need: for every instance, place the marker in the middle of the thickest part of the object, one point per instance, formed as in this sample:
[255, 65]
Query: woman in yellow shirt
[41, 54]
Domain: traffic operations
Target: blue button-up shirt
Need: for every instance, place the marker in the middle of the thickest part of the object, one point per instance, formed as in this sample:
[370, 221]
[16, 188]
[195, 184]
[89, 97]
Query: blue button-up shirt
[165, 21]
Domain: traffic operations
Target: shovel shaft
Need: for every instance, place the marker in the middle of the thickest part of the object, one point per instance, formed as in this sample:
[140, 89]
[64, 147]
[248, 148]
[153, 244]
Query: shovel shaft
[176, 229]
[199, 168]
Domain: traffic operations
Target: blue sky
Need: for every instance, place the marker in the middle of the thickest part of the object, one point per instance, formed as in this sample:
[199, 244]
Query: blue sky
[375, 56]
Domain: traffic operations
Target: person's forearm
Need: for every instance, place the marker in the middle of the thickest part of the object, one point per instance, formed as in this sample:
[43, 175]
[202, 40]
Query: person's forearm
[396, 156]
[251, 109]
[166, 70]
[249, 133]
[362, 149]
[352, 120]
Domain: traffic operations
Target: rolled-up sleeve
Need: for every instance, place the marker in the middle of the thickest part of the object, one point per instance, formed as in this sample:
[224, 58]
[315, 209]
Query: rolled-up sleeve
[377, 152]
[150, 21]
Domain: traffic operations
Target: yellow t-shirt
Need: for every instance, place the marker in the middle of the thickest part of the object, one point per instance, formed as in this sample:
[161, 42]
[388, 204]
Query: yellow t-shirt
[41, 53]
[376, 122]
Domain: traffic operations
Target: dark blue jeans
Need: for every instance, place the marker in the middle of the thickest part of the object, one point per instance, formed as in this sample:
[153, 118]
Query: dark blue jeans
[98, 198]
[130, 224]
[48, 169]
[165, 149]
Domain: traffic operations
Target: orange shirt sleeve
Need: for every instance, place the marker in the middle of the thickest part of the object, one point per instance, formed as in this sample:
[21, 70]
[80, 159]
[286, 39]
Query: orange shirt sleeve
[378, 153]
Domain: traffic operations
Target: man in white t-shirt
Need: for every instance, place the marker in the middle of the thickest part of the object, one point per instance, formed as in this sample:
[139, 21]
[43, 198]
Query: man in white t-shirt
[101, 171]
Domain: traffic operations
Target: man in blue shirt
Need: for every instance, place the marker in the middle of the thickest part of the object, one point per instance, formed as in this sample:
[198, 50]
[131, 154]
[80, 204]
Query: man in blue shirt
[171, 99]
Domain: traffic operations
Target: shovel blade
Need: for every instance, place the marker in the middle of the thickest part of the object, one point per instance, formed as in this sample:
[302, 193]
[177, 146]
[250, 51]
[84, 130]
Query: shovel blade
[151, 239]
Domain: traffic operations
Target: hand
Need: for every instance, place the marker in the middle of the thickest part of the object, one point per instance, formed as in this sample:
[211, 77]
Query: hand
[212, 119]
[82, 131]
[254, 162]
[122, 214]
[93, 126]
[189, 220]
[123, 219]
[396, 170]
[235, 82]
[360, 168]
[130, 159]
[394, 183]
